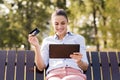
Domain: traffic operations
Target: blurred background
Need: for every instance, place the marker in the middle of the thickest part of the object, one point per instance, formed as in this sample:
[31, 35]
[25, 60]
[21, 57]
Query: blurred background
[97, 20]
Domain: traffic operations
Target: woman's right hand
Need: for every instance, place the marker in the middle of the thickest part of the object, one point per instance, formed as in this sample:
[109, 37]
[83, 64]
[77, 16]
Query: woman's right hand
[33, 40]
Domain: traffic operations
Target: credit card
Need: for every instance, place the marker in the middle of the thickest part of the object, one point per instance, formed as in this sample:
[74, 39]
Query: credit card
[34, 32]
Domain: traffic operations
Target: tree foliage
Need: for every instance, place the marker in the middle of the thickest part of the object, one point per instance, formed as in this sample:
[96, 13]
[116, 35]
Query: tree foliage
[97, 20]
[25, 16]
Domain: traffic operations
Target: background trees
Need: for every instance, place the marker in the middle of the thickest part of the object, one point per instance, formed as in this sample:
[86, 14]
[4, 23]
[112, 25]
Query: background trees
[97, 20]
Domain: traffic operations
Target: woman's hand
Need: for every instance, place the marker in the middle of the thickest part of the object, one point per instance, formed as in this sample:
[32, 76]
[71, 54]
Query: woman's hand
[33, 40]
[76, 56]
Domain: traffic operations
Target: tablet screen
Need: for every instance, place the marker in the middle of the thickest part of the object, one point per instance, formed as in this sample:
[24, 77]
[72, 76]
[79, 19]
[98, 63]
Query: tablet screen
[63, 50]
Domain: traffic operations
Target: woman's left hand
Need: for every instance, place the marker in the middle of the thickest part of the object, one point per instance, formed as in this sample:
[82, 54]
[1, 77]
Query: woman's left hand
[76, 56]
[78, 59]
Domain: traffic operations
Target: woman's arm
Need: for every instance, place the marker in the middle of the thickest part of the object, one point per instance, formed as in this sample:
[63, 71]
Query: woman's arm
[38, 59]
[83, 65]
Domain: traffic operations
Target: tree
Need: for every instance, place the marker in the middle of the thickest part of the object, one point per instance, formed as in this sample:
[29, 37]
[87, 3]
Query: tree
[1, 1]
[109, 23]
[25, 16]
[97, 20]
[75, 11]
[113, 10]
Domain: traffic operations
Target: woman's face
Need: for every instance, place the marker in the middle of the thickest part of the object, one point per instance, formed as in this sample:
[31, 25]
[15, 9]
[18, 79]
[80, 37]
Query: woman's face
[60, 25]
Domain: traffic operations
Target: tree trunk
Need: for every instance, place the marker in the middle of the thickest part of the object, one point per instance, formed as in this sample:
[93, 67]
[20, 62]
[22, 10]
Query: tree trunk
[95, 29]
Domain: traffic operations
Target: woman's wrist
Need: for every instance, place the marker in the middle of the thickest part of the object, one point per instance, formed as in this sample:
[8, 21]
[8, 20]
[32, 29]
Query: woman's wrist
[82, 65]
[80, 62]
[37, 46]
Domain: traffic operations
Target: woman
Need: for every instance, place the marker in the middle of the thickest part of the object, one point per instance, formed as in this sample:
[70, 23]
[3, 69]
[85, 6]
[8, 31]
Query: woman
[61, 69]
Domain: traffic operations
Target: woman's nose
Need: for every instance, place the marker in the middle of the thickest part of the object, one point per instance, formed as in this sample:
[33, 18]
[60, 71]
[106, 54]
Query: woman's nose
[59, 26]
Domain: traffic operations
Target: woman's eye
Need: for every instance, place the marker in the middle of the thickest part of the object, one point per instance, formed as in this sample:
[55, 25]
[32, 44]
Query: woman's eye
[63, 23]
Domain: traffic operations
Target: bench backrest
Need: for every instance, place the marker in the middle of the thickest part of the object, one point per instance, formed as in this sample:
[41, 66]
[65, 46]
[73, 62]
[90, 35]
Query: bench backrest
[103, 66]
[19, 65]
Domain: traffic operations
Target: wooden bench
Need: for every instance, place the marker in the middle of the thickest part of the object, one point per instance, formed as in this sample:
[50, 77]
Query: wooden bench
[103, 66]
[19, 65]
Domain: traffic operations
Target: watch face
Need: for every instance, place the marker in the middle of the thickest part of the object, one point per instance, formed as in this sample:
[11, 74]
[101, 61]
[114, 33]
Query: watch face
[34, 32]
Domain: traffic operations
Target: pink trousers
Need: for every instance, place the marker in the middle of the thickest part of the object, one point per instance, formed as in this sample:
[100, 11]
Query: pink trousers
[65, 73]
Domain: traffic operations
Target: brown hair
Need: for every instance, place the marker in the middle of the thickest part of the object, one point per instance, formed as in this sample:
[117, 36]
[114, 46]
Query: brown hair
[60, 12]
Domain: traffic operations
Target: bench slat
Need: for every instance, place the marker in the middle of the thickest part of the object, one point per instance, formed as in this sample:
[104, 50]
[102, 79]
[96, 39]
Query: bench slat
[29, 65]
[96, 66]
[20, 65]
[2, 64]
[88, 72]
[119, 58]
[119, 61]
[105, 66]
[39, 75]
[114, 66]
[11, 65]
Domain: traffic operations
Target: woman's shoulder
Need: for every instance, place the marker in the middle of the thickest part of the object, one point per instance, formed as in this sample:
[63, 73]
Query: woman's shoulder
[48, 38]
[79, 36]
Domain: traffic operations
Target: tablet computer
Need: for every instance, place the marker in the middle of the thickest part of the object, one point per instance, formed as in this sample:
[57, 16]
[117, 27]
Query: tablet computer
[62, 50]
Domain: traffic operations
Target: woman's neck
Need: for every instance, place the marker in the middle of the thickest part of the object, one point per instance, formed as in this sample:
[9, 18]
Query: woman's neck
[60, 37]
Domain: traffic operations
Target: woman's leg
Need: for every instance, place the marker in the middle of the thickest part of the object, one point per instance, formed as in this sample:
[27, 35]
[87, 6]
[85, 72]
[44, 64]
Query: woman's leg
[65, 74]
[73, 77]
[54, 78]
